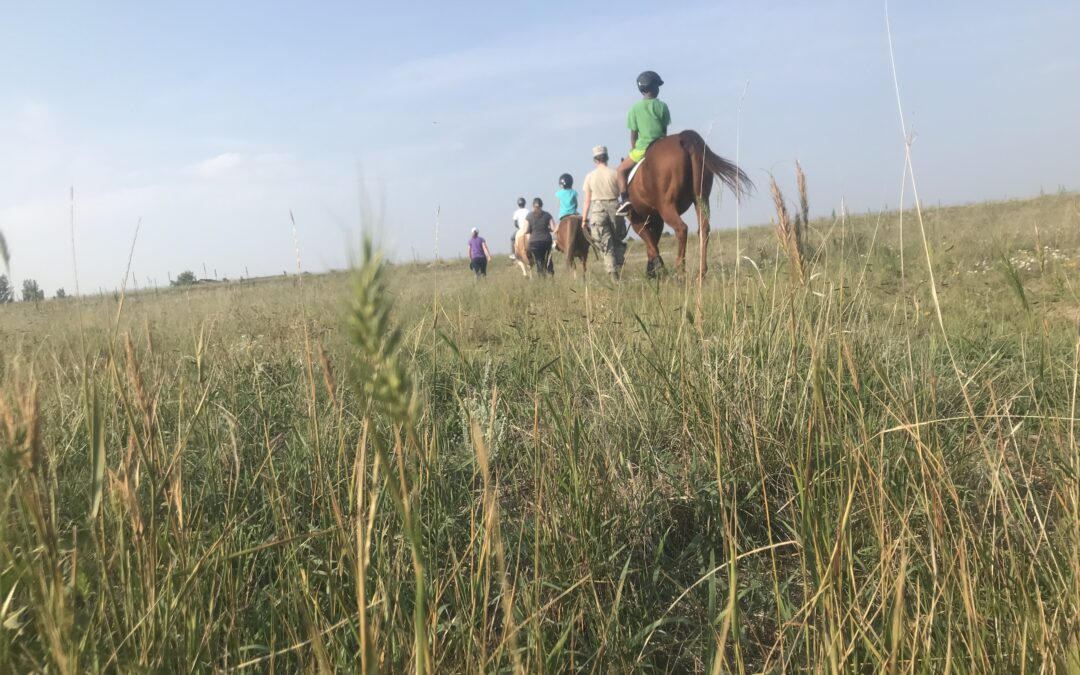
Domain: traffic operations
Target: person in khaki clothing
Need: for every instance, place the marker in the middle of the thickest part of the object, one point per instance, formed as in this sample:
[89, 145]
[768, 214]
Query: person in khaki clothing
[608, 231]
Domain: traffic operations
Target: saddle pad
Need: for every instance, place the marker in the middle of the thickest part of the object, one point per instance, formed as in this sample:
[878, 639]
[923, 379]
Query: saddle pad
[633, 172]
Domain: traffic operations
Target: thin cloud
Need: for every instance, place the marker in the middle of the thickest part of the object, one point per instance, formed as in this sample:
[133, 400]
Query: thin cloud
[264, 166]
[521, 55]
[218, 165]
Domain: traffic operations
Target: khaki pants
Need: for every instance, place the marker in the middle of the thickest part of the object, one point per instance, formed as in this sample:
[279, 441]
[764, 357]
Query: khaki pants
[608, 232]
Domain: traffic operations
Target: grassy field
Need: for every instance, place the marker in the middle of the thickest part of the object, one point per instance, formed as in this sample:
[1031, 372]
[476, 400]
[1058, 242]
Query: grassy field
[405, 469]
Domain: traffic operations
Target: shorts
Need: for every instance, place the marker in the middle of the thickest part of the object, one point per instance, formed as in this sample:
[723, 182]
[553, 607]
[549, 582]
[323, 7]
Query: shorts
[479, 265]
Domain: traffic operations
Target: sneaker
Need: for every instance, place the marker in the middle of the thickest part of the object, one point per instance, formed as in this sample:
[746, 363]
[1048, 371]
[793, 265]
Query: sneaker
[624, 208]
[513, 257]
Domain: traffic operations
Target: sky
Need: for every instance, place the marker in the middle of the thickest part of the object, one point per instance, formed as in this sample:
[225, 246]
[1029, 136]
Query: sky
[208, 128]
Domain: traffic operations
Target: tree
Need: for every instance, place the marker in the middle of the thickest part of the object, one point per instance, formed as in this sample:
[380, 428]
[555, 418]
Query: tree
[186, 278]
[7, 294]
[61, 294]
[31, 292]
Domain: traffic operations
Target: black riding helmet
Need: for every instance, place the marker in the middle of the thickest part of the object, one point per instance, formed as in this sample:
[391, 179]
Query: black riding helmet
[521, 202]
[566, 180]
[648, 81]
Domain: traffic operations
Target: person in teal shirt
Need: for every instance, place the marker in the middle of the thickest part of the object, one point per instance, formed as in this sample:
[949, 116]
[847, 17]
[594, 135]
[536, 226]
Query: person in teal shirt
[648, 121]
[567, 196]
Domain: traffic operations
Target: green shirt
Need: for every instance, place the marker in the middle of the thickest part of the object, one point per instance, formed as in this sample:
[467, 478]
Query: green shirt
[650, 119]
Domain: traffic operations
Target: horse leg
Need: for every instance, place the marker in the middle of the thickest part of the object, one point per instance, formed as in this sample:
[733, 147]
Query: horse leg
[652, 252]
[671, 216]
[702, 209]
[701, 206]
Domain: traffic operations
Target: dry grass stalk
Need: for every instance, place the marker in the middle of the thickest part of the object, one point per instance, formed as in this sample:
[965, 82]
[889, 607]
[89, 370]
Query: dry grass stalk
[136, 380]
[21, 426]
[4, 253]
[789, 232]
[802, 219]
[804, 203]
[328, 374]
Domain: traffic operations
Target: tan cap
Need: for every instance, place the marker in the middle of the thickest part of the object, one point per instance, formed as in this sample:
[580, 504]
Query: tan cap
[599, 150]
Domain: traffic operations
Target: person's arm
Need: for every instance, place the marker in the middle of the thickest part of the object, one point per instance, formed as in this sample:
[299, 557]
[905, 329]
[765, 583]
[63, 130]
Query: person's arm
[585, 206]
[633, 139]
[486, 251]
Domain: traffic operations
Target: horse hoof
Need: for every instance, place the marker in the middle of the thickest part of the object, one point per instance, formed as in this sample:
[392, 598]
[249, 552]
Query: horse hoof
[655, 268]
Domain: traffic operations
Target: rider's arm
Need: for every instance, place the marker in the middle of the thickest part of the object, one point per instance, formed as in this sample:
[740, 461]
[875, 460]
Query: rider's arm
[633, 139]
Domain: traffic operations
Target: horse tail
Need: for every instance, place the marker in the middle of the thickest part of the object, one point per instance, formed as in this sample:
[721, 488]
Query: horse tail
[702, 158]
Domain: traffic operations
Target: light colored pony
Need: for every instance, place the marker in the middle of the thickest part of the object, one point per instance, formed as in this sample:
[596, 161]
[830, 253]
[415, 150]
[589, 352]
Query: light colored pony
[521, 251]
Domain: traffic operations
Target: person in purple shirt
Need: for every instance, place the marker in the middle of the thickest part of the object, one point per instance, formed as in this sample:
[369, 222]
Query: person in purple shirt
[479, 255]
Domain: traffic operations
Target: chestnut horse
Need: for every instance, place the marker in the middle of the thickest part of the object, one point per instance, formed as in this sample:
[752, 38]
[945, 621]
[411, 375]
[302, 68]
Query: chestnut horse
[677, 173]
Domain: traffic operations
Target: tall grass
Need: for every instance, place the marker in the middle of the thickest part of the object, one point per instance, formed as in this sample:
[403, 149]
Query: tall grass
[514, 481]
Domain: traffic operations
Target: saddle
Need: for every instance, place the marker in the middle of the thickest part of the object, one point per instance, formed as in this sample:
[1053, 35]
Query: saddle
[633, 172]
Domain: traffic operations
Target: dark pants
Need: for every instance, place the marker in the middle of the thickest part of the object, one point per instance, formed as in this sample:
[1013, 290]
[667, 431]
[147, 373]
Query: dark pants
[540, 252]
[479, 265]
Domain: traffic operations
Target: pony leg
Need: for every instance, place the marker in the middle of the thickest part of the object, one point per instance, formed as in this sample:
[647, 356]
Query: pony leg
[568, 232]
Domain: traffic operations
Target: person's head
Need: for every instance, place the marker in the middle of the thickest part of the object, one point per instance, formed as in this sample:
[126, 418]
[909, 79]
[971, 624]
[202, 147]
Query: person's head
[648, 83]
[521, 202]
[599, 154]
[566, 181]
[475, 232]
[538, 204]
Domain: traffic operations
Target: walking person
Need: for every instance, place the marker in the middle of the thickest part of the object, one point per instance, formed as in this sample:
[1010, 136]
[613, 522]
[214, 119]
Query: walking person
[479, 255]
[519, 222]
[540, 226]
[601, 188]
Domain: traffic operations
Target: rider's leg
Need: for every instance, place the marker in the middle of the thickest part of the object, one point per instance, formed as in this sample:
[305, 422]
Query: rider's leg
[623, 173]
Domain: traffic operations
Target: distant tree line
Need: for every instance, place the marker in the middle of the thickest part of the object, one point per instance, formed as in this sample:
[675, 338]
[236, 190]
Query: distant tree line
[31, 291]
[186, 278]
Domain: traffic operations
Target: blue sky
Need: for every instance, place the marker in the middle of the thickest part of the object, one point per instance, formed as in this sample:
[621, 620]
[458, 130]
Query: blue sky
[210, 122]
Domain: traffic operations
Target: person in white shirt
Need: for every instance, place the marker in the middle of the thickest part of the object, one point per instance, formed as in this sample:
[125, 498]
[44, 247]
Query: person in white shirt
[519, 222]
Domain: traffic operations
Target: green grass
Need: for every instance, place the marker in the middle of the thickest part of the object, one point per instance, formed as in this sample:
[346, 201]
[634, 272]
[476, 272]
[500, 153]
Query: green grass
[405, 469]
